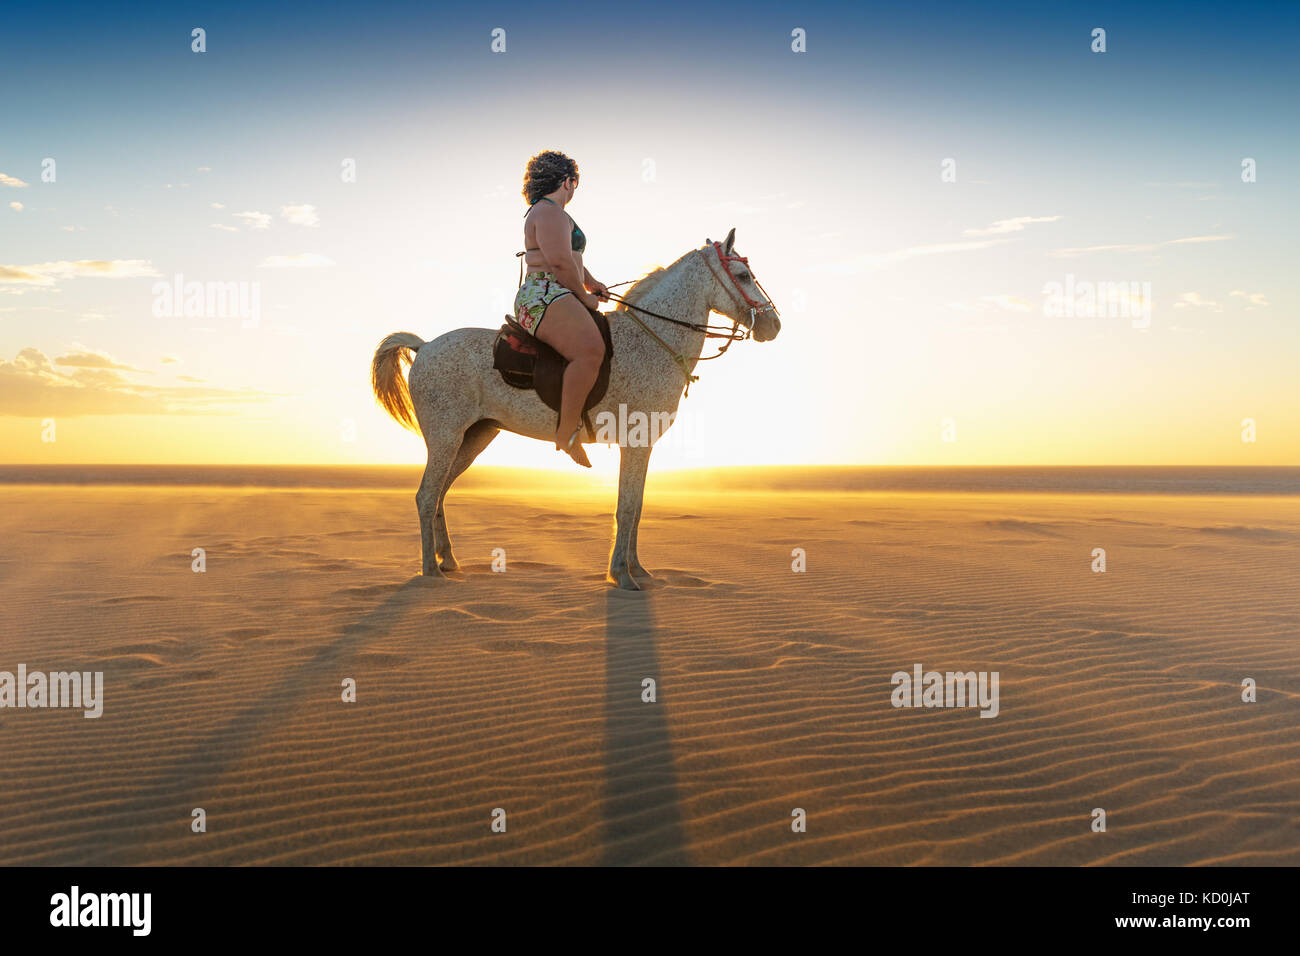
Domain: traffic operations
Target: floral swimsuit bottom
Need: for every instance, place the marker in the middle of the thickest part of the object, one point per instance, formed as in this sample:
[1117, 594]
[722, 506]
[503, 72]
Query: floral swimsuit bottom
[539, 289]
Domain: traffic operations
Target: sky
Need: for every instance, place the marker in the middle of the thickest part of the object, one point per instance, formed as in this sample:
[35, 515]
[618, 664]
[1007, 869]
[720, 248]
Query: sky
[915, 189]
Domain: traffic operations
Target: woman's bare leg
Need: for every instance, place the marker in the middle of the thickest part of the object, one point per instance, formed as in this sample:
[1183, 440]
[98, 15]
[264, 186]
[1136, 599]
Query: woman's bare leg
[568, 328]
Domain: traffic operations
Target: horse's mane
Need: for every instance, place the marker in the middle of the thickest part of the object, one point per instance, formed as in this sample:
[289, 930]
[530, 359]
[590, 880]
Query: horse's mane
[646, 284]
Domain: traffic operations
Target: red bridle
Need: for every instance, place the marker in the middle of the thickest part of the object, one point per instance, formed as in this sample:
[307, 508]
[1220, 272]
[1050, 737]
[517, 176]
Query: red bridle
[755, 308]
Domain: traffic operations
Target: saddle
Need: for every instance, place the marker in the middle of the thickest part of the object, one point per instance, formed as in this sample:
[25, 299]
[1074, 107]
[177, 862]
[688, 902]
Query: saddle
[526, 362]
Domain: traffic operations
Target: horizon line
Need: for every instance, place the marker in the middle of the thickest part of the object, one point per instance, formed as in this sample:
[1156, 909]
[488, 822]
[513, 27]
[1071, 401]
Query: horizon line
[557, 471]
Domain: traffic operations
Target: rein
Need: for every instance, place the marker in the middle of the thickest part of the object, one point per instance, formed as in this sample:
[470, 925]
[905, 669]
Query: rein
[734, 334]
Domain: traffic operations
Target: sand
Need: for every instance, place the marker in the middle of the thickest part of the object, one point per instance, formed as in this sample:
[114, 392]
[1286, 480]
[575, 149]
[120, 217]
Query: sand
[522, 690]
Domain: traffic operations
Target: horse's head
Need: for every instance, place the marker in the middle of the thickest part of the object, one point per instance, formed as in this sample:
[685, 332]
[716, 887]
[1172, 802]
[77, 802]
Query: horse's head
[736, 293]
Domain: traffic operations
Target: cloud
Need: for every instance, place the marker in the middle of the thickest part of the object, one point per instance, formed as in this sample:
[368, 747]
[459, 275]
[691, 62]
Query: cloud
[92, 360]
[217, 205]
[1195, 300]
[170, 360]
[1136, 246]
[1255, 298]
[32, 386]
[97, 268]
[48, 273]
[217, 225]
[254, 219]
[303, 260]
[1175, 242]
[1003, 226]
[1084, 250]
[16, 206]
[204, 169]
[300, 215]
[20, 274]
[12, 181]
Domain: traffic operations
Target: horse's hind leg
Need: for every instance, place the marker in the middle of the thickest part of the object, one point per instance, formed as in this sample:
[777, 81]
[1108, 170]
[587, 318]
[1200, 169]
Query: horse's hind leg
[477, 437]
[442, 453]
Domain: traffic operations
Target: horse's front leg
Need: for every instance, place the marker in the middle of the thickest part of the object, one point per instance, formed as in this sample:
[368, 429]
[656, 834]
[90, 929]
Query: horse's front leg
[633, 559]
[633, 462]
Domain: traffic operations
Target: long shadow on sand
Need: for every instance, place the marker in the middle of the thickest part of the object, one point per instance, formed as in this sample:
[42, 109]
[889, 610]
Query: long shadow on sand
[196, 773]
[641, 802]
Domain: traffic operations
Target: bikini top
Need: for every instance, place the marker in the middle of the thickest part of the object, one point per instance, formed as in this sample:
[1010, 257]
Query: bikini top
[579, 240]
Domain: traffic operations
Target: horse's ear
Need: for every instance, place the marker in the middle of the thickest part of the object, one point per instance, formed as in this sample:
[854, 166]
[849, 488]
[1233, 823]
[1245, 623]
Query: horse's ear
[729, 242]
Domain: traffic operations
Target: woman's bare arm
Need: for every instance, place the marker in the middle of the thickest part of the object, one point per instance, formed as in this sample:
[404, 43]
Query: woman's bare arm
[594, 285]
[555, 239]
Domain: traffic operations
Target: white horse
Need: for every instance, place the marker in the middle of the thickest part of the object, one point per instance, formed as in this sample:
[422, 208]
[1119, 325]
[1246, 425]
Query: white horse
[461, 402]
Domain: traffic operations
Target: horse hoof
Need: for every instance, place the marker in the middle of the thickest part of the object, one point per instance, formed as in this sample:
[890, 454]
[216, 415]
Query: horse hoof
[449, 564]
[623, 580]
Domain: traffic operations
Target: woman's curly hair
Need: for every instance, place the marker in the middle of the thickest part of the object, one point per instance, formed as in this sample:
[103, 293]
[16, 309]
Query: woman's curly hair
[545, 172]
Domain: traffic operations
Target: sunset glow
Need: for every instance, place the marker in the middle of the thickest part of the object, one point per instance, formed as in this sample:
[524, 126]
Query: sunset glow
[916, 326]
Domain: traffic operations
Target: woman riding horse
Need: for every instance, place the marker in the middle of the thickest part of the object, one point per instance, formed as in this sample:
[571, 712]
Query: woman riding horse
[557, 288]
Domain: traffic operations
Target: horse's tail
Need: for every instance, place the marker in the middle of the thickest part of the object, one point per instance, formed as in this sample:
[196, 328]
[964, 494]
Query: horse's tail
[391, 388]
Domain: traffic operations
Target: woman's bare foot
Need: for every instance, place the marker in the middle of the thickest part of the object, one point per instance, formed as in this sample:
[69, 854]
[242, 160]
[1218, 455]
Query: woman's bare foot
[573, 447]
